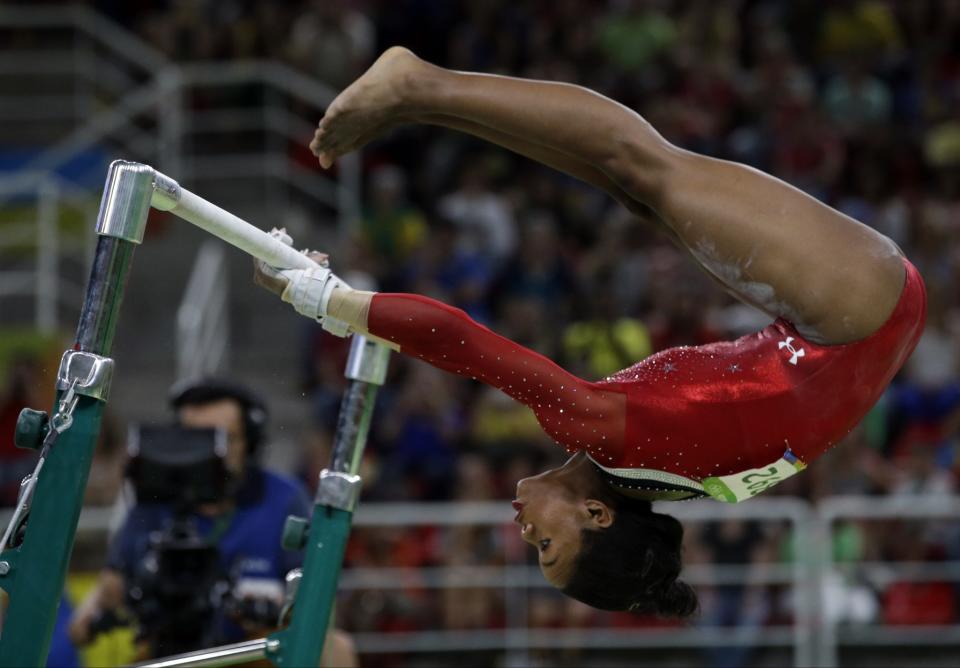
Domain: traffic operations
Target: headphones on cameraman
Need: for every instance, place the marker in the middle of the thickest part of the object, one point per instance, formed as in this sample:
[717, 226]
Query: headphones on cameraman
[198, 391]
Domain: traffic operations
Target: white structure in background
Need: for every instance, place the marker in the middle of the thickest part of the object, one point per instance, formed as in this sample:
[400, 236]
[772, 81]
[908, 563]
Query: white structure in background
[203, 323]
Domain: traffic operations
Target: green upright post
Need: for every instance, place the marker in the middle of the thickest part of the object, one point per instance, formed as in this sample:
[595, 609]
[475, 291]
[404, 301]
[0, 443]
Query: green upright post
[301, 643]
[37, 567]
[33, 571]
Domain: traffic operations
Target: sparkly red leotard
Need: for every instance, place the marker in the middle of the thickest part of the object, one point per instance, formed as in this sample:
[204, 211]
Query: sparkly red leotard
[681, 419]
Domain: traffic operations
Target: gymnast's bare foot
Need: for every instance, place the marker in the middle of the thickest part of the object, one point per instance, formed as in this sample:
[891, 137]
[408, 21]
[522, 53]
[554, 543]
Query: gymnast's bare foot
[373, 104]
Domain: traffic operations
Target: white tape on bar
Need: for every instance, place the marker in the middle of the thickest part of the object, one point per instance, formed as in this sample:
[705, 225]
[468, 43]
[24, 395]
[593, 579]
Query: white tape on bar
[221, 223]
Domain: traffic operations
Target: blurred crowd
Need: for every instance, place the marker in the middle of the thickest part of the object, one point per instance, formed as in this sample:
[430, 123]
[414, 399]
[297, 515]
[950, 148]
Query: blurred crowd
[856, 102]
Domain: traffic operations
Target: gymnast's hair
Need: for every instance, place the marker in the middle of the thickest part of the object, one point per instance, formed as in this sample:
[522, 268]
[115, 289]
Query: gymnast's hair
[633, 564]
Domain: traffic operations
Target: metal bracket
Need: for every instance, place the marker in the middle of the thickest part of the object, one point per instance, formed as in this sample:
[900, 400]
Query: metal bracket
[126, 201]
[166, 192]
[93, 374]
[338, 490]
[17, 522]
[292, 586]
[368, 361]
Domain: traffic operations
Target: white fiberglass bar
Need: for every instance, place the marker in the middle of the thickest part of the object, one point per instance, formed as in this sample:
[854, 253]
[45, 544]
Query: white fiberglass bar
[169, 196]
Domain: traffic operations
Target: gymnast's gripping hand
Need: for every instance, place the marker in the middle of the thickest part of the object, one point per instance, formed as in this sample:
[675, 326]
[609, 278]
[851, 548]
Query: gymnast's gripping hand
[373, 104]
[307, 290]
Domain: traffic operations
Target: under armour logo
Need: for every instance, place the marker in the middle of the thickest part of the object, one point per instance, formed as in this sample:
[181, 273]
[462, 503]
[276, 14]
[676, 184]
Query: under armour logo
[797, 354]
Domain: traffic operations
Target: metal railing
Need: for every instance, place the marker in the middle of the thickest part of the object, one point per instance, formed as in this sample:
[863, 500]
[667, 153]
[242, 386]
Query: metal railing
[37, 272]
[107, 88]
[814, 636]
[516, 582]
[127, 100]
[290, 98]
[904, 508]
[156, 92]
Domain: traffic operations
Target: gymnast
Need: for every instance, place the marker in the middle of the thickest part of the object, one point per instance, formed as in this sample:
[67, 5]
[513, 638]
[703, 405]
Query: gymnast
[726, 420]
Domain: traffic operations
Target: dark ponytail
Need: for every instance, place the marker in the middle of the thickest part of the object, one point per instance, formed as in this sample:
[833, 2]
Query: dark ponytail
[633, 564]
[677, 600]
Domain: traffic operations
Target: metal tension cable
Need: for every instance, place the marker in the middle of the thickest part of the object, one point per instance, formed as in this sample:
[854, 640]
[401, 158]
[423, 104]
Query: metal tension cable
[59, 423]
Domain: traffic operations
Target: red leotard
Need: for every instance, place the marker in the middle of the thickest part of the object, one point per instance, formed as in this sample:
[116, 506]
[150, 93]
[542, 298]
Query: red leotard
[689, 413]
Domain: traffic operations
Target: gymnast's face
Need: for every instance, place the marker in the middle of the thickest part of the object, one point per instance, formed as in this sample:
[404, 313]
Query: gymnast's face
[552, 510]
[223, 414]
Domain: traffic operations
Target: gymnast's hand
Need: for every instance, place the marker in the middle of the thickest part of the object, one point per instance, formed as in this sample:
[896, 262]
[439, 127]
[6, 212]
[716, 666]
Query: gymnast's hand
[270, 277]
[372, 105]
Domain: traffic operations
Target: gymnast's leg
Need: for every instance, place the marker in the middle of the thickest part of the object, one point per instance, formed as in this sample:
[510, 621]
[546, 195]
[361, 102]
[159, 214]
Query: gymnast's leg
[552, 158]
[770, 244]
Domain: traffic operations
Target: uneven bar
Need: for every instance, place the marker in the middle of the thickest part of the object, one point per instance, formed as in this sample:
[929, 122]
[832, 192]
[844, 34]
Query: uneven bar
[168, 195]
[216, 656]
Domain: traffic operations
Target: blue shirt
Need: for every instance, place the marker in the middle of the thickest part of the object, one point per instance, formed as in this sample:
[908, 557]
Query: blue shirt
[62, 652]
[249, 546]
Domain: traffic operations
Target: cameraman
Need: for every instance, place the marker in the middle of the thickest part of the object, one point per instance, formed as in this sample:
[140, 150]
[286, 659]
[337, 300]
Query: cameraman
[246, 526]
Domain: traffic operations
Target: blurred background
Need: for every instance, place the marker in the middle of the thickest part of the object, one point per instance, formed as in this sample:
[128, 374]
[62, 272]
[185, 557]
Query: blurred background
[857, 102]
